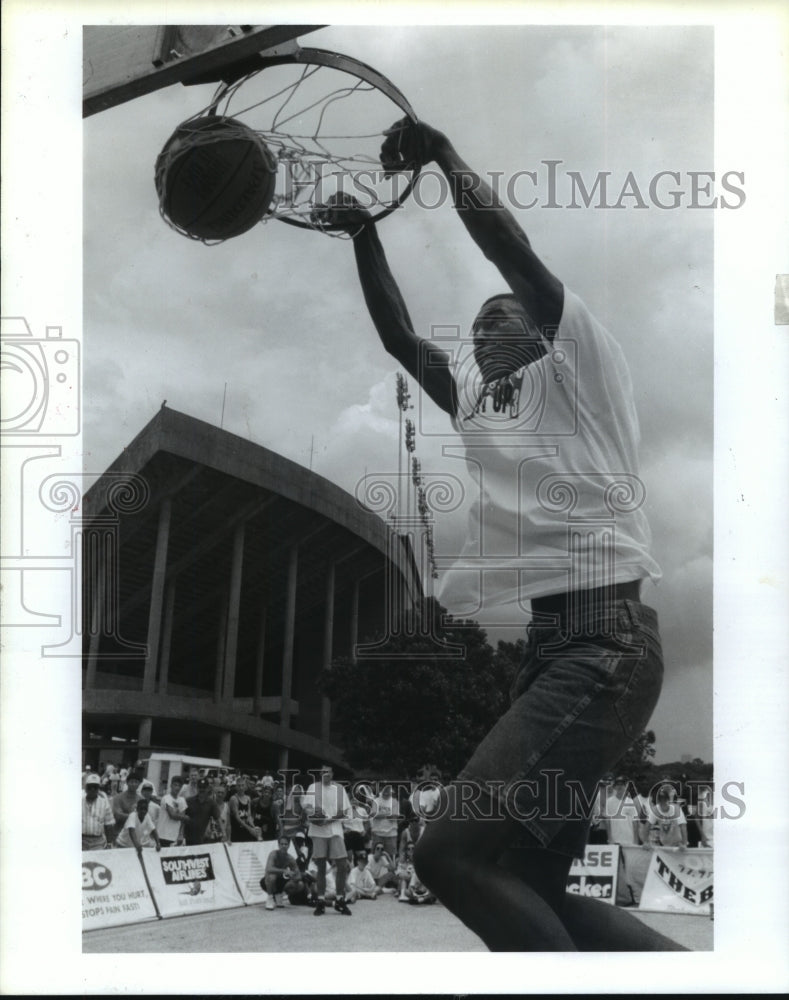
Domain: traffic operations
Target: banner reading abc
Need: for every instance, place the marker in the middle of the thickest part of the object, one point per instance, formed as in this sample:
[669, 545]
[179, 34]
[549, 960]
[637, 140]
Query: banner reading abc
[191, 879]
[113, 890]
[249, 864]
[679, 881]
[596, 875]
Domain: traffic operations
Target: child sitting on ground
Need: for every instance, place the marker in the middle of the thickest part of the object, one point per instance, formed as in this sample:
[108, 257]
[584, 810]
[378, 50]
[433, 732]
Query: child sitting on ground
[361, 884]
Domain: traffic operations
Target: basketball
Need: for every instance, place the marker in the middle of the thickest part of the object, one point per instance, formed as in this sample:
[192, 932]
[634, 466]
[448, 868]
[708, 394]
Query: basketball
[215, 178]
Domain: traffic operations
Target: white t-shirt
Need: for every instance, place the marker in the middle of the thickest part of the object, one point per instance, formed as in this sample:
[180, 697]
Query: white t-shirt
[167, 827]
[333, 800]
[425, 801]
[142, 827]
[622, 815]
[665, 822]
[384, 816]
[356, 823]
[361, 880]
[559, 504]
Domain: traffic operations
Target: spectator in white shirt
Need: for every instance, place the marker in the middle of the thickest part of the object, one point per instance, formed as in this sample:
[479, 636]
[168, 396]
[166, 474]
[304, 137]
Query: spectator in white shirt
[666, 822]
[139, 830]
[384, 820]
[326, 805]
[361, 884]
[382, 867]
[154, 806]
[171, 814]
[98, 820]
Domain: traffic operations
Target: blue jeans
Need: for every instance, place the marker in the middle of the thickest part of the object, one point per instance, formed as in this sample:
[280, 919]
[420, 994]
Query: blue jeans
[584, 692]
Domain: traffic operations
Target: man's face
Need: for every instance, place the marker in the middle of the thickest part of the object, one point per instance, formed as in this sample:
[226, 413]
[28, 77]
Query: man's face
[504, 340]
[132, 784]
[326, 775]
[142, 807]
[176, 785]
[284, 843]
[92, 791]
[619, 789]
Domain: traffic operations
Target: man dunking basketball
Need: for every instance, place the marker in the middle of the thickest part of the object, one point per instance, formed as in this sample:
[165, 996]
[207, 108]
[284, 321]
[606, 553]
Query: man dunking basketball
[499, 852]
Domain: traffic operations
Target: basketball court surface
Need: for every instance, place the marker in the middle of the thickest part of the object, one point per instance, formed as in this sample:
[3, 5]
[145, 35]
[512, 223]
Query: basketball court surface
[383, 925]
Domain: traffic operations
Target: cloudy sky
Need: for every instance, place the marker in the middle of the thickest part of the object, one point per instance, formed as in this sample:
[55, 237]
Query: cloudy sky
[273, 322]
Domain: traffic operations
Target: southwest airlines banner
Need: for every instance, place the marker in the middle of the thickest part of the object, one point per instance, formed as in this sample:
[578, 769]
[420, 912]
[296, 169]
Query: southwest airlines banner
[248, 861]
[679, 881]
[191, 879]
[596, 875]
[114, 890]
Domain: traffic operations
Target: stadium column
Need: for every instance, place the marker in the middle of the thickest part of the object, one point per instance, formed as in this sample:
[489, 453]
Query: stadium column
[233, 615]
[257, 694]
[220, 650]
[287, 652]
[224, 746]
[144, 733]
[328, 644]
[167, 638]
[157, 594]
[97, 624]
[354, 620]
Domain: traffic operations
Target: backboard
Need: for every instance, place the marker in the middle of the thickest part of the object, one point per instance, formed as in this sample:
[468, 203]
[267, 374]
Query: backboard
[121, 62]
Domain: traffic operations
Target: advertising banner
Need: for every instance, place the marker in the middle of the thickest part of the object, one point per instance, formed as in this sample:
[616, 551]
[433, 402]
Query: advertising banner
[191, 879]
[596, 875]
[679, 881]
[249, 864]
[113, 890]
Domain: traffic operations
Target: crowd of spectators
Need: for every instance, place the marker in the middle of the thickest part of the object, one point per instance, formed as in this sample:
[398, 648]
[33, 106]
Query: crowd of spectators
[662, 813]
[336, 847]
[360, 851]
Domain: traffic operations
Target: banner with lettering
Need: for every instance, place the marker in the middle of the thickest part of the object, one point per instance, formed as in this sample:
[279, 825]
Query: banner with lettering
[191, 879]
[249, 864]
[114, 890]
[596, 875]
[679, 881]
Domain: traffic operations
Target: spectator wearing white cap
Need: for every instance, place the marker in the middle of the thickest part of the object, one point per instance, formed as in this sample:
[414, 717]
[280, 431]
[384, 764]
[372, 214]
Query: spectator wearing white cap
[172, 813]
[147, 792]
[98, 820]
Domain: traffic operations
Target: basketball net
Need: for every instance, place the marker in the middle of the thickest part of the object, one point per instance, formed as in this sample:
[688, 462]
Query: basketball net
[322, 117]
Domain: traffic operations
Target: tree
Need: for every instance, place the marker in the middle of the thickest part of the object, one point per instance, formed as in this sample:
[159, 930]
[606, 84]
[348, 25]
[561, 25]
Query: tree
[395, 713]
[636, 763]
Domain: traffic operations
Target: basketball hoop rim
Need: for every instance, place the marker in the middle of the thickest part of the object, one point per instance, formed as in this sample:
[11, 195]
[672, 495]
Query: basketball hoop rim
[354, 67]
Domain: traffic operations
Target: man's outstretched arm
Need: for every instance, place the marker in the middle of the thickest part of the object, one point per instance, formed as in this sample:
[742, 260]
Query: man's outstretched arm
[490, 224]
[420, 358]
